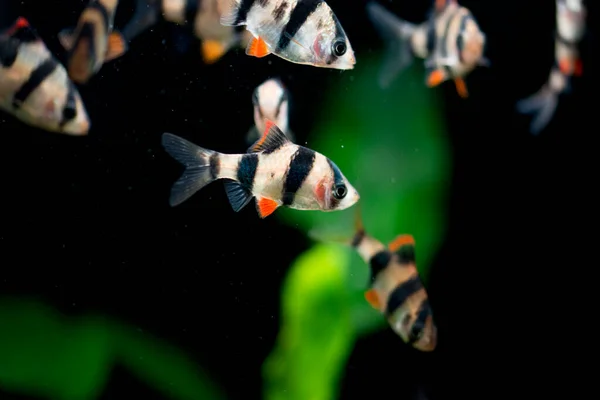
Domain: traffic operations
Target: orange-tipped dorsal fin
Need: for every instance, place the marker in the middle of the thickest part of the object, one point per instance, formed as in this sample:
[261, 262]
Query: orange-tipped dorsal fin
[399, 241]
[257, 48]
[20, 25]
[266, 206]
[372, 298]
[116, 46]
[271, 139]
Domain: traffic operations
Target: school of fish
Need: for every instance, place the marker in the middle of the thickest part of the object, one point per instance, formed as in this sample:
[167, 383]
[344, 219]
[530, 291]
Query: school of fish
[274, 171]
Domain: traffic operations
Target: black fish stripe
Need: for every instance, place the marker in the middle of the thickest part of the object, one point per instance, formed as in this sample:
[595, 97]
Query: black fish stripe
[301, 164]
[402, 292]
[358, 238]
[279, 11]
[70, 108]
[246, 170]
[338, 179]
[38, 75]
[9, 51]
[379, 262]
[431, 37]
[299, 15]
[406, 254]
[243, 11]
[87, 32]
[460, 42]
[419, 324]
[106, 16]
[25, 34]
[214, 165]
[190, 11]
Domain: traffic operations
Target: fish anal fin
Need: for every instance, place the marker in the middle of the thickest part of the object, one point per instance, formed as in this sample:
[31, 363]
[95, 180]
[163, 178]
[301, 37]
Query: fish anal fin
[266, 207]
[117, 46]
[212, 50]
[66, 38]
[461, 87]
[435, 77]
[238, 195]
[271, 139]
[400, 241]
[372, 298]
[257, 48]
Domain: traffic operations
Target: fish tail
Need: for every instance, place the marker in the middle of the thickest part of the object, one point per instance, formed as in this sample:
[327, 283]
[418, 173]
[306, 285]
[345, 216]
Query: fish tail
[230, 13]
[146, 15]
[201, 167]
[396, 33]
[543, 104]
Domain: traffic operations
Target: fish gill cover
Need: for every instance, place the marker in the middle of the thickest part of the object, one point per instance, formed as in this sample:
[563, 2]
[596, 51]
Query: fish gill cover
[392, 145]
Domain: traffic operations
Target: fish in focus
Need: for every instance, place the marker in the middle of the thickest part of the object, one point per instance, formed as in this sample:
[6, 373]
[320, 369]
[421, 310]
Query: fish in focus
[271, 102]
[201, 17]
[395, 287]
[93, 41]
[450, 42]
[300, 31]
[275, 171]
[570, 29]
[35, 87]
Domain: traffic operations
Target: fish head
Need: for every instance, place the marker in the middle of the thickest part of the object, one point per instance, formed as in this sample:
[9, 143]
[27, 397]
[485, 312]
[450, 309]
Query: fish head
[570, 19]
[330, 46]
[474, 43]
[334, 192]
[271, 101]
[413, 322]
[75, 120]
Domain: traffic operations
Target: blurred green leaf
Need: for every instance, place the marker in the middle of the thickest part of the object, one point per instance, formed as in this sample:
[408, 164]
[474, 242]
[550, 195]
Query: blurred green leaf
[317, 332]
[45, 354]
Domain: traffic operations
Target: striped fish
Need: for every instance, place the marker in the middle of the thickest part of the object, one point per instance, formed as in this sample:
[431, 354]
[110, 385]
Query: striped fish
[93, 41]
[395, 287]
[201, 17]
[35, 87]
[570, 29]
[274, 170]
[300, 31]
[450, 41]
[271, 102]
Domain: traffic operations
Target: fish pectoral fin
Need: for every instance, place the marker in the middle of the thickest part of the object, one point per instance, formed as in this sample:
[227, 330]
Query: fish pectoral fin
[117, 46]
[66, 38]
[372, 298]
[461, 87]
[435, 77]
[212, 50]
[238, 195]
[271, 139]
[266, 207]
[257, 48]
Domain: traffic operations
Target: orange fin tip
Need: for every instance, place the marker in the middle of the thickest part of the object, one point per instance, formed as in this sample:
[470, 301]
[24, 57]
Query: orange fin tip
[257, 48]
[20, 23]
[212, 51]
[266, 207]
[401, 240]
[435, 78]
[116, 46]
[461, 87]
[372, 298]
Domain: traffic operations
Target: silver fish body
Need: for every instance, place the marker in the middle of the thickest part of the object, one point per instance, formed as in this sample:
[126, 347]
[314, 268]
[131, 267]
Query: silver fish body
[275, 171]
[300, 31]
[35, 87]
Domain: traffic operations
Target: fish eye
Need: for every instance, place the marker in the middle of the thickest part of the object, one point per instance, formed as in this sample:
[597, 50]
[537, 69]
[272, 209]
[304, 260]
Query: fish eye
[340, 191]
[69, 112]
[339, 48]
[417, 331]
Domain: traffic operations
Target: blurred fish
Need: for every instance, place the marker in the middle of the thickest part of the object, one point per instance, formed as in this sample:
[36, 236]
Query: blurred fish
[570, 29]
[201, 17]
[93, 41]
[300, 31]
[450, 41]
[274, 170]
[395, 287]
[271, 102]
[35, 87]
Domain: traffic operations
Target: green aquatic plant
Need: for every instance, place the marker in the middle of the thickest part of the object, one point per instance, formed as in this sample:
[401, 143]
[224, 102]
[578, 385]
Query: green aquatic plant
[393, 146]
[44, 353]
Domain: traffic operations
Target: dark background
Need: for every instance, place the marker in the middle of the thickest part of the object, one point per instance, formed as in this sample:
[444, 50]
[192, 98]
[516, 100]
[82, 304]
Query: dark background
[85, 224]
